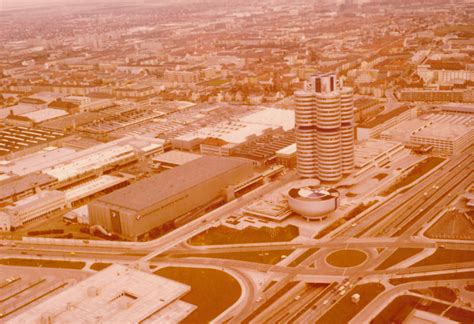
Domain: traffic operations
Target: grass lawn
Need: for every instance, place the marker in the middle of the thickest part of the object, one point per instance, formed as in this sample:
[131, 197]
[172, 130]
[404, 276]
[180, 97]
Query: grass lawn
[345, 309]
[226, 235]
[452, 225]
[267, 257]
[417, 171]
[442, 293]
[398, 256]
[100, 266]
[448, 276]
[380, 176]
[444, 256]
[306, 254]
[398, 310]
[43, 263]
[53, 222]
[212, 291]
[346, 258]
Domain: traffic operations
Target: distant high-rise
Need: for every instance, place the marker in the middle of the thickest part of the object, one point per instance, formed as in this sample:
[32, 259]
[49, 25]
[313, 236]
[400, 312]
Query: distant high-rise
[324, 129]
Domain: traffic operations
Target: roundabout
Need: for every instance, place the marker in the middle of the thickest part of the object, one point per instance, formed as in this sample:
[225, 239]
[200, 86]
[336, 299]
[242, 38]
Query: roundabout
[346, 258]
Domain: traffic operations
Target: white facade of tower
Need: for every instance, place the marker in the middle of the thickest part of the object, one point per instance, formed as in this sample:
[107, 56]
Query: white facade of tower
[324, 129]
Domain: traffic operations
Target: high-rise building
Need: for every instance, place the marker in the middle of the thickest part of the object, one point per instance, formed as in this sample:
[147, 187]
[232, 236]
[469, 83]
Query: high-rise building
[324, 120]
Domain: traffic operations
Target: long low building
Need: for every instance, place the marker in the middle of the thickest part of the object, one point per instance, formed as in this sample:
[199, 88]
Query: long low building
[92, 164]
[444, 135]
[101, 184]
[373, 127]
[222, 137]
[115, 295]
[16, 188]
[30, 208]
[375, 153]
[101, 158]
[148, 204]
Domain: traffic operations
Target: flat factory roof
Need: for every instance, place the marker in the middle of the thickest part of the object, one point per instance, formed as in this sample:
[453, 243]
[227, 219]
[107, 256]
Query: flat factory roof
[403, 130]
[20, 137]
[379, 119]
[21, 184]
[240, 130]
[176, 157]
[115, 295]
[18, 109]
[92, 187]
[287, 150]
[42, 115]
[150, 191]
[90, 162]
[272, 117]
[444, 131]
[451, 118]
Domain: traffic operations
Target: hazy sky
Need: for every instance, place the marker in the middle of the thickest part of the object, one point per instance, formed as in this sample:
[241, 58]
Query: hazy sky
[14, 4]
[17, 4]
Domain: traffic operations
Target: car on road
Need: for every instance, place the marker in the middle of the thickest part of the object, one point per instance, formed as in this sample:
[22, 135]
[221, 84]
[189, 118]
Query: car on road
[297, 297]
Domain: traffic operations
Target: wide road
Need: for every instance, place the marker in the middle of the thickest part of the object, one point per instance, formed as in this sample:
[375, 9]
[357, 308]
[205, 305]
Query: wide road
[392, 212]
[402, 201]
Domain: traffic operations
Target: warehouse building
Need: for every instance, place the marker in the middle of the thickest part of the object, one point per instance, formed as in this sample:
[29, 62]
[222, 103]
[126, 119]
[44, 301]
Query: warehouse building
[31, 208]
[115, 295]
[171, 159]
[93, 164]
[148, 204]
[446, 133]
[103, 184]
[445, 137]
[20, 140]
[15, 188]
[374, 153]
[374, 127]
[287, 156]
[223, 137]
[102, 158]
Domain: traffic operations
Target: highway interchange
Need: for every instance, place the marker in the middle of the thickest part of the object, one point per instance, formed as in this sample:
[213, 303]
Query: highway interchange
[393, 223]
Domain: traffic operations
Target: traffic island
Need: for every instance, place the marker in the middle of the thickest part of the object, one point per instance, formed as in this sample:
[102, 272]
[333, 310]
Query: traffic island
[225, 235]
[346, 258]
